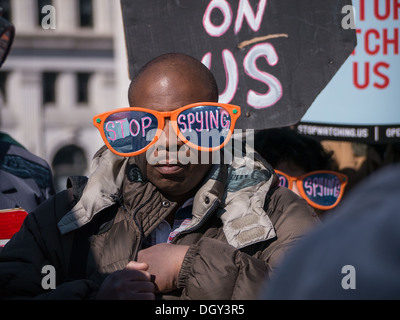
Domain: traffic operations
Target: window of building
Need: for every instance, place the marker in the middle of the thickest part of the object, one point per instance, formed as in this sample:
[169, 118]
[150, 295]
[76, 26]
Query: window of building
[83, 80]
[69, 161]
[40, 5]
[3, 87]
[86, 13]
[49, 80]
[6, 6]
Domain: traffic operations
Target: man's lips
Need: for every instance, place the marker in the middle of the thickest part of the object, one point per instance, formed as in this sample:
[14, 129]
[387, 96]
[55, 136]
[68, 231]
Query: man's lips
[169, 169]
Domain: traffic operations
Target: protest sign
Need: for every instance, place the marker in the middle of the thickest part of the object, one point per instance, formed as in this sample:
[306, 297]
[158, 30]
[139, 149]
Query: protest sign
[361, 103]
[271, 57]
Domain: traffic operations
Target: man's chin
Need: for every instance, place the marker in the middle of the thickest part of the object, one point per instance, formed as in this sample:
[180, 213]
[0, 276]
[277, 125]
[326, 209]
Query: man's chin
[173, 189]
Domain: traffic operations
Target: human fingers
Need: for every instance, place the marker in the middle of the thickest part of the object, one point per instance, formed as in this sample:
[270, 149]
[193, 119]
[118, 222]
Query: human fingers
[134, 265]
[129, 291]
[140, 286]
[139, 270]
[136, 289]
[127, 284]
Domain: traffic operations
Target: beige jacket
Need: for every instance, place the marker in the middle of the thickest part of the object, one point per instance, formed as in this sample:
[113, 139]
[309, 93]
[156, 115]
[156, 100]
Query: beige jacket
[241, 228]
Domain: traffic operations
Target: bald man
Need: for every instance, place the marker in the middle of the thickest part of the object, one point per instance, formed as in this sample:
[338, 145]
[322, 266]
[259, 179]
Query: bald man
[142, 228]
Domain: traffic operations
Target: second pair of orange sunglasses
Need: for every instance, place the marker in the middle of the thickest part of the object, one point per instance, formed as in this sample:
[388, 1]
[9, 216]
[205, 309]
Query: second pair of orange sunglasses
[321, 189]
[205, 126]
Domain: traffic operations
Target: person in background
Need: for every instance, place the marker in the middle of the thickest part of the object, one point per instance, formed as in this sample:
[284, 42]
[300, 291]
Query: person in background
[359, 160]
[355, 255]
[303, 165]
[25, 179]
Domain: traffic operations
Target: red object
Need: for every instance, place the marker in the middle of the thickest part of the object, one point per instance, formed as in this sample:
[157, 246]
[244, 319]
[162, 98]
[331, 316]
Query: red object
[10, 222]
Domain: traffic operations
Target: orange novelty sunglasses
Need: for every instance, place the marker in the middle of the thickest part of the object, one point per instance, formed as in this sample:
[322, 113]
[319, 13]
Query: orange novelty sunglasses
[205, 126]
[321, 189]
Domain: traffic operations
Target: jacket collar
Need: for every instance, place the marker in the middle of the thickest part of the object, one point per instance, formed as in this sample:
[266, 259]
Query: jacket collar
[236, 192]
[101, 191]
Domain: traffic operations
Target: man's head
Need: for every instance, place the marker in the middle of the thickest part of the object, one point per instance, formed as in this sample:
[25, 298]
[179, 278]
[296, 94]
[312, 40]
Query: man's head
[167, 83]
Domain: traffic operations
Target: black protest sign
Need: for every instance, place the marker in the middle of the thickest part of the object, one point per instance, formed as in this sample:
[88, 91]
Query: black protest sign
[271, 57]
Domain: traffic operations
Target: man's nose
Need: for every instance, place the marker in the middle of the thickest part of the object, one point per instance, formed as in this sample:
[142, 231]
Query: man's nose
[171, 140]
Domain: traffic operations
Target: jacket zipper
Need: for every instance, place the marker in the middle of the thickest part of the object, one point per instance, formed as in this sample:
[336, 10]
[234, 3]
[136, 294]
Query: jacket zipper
[141, 232]
[210, 211]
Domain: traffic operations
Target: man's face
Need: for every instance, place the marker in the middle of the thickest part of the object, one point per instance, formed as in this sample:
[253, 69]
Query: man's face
[166, 92]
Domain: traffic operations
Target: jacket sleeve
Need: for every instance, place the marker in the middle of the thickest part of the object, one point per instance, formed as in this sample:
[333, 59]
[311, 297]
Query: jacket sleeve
[23, 260]
[213, 269]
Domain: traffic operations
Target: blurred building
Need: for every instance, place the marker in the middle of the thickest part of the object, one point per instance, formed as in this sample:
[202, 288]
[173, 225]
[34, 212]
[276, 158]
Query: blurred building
[66, 66]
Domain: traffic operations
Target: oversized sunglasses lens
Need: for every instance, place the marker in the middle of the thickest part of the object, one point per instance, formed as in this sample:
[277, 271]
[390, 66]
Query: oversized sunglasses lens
[130, 131]
[323, 189]
[205, 126]
[283, 181]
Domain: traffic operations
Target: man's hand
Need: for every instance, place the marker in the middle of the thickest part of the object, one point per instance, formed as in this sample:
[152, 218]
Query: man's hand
[165, 261]
[131, 283]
